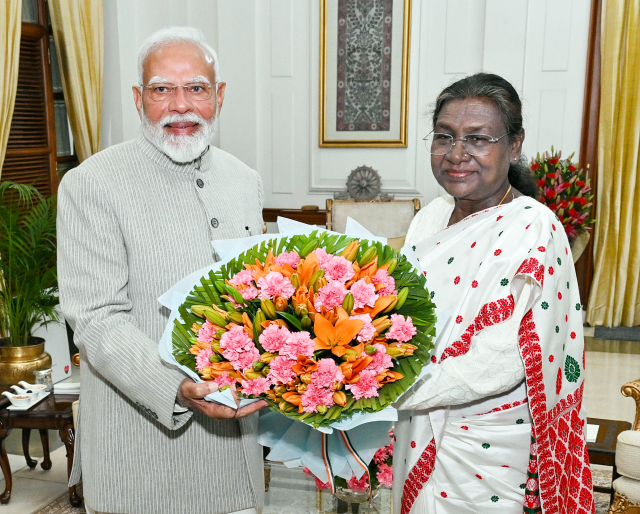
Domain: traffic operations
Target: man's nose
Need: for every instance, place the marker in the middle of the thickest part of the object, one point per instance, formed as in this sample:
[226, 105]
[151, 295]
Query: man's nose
[179, 101]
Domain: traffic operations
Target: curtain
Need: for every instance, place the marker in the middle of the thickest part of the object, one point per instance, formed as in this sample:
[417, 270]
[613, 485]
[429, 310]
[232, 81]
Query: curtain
[10, 29]
[615, 293]
[78, 34]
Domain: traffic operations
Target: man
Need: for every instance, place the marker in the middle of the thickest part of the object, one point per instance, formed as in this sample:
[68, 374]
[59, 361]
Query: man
[133, 220]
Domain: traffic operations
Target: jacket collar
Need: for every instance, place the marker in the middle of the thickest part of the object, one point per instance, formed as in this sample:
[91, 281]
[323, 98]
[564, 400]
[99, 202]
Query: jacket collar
[202, 163]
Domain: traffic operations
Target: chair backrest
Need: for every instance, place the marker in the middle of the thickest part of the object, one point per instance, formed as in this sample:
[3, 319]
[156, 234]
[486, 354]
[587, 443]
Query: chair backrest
[633, 389]
[385, 218]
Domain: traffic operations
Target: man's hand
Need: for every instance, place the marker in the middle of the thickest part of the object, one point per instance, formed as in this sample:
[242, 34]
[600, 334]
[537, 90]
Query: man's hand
[191, 395]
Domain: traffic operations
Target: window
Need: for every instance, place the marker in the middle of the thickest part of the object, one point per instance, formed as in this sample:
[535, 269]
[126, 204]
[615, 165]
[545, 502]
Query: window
[34, 154]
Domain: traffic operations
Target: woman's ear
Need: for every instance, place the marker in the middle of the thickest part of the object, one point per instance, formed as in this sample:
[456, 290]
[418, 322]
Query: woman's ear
[516, 146]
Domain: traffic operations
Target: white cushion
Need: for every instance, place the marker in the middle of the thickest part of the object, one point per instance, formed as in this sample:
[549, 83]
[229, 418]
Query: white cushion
[628, 454]
[630, 488]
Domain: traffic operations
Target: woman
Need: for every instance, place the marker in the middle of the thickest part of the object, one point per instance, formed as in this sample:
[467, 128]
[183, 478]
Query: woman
[496, 423]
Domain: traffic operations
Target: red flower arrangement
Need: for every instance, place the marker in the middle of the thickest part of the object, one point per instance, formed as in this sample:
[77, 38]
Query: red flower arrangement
[564, 188]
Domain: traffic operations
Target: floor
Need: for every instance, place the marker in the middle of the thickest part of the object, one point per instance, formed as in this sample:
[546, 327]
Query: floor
[610, 364]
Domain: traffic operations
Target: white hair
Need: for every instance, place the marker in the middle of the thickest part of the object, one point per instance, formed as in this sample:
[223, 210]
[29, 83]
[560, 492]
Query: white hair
[172, 35]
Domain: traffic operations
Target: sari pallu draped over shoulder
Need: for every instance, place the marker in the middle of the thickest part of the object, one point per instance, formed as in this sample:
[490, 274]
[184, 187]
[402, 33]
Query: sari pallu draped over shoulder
[476, 271]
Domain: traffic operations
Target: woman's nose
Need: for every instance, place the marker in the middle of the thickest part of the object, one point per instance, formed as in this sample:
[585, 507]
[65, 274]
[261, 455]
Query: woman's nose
[458, 152]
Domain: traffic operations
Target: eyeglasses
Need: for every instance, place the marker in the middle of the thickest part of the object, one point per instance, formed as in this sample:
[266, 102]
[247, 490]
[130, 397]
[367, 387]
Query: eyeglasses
[197, 91]
[477, 145]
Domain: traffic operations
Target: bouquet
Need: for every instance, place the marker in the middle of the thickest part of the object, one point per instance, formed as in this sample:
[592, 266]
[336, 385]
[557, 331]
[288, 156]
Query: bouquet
[380, 471]
[321, 326]
[564, 188]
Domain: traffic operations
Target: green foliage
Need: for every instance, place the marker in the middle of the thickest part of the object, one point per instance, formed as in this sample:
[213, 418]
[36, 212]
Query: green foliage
[28, 279]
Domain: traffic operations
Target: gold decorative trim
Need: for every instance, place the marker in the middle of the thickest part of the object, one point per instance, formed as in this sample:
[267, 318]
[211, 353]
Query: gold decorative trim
[622, 504]
[75, 359]
[404, 93]
[633, 389]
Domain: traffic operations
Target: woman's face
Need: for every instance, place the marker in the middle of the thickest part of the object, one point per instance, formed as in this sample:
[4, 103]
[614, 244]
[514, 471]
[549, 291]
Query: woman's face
[469, 177]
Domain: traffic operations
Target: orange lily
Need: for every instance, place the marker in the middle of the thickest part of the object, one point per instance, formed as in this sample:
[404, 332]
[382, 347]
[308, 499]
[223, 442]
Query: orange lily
[381, 304]
[293, 399]
[335, 338]
[351, 370]
[387, 377]
[304, 365]
[258, 269]
[306, 268]
[280, 322]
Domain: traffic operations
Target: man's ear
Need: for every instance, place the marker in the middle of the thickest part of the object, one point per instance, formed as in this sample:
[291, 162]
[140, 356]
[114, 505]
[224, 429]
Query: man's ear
[137, 98]
[221, 87]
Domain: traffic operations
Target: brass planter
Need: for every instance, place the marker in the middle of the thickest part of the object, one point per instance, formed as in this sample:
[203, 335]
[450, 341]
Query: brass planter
[19, 362]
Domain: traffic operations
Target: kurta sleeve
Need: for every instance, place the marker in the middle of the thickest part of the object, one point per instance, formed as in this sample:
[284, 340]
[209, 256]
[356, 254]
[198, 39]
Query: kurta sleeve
[93, 282]
[491, 366]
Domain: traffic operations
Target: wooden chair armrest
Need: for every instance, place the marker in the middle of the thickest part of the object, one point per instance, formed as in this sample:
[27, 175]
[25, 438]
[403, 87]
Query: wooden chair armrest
[633, 389]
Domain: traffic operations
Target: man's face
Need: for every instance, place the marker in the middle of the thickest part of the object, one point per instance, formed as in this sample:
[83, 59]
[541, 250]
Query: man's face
[179, 126]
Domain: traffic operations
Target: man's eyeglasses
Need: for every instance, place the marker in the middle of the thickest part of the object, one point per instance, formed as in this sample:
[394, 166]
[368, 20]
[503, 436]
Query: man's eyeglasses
[477, 145]
[197, 91]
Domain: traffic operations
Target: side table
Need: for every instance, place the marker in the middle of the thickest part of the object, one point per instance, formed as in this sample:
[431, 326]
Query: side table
[603, 450]
[52, 413]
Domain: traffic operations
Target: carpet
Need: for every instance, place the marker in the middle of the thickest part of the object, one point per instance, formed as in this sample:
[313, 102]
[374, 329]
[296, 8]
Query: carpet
[601, 476]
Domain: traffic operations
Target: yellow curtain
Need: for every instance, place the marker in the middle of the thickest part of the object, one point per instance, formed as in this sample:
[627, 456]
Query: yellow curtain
[10, 30]
[615, 293]
[78, 34]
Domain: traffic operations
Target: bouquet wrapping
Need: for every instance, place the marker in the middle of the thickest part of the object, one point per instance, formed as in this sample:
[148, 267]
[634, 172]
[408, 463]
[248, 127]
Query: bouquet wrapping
[328, 329]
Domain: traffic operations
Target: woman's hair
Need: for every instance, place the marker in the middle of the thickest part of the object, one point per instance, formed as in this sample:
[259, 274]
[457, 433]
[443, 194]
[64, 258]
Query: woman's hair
[503, 94]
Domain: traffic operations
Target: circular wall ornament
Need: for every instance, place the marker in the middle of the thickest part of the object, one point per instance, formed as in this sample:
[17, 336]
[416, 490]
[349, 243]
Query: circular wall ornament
[363, 183]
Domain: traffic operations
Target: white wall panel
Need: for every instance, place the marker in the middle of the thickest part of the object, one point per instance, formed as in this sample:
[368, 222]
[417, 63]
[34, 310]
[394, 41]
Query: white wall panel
[551, 119]
[556, 35]
[281, 38]
[282, 140]
[464, 28]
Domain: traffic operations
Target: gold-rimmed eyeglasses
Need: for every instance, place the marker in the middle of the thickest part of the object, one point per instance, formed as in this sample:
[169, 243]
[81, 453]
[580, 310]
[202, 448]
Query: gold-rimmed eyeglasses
[197, 91]
[477, 145]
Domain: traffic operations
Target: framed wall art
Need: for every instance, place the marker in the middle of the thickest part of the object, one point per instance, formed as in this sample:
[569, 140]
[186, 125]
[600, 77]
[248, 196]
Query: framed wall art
[364, 72]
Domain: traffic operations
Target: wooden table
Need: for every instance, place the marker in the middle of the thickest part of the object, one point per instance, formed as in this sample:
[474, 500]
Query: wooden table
[603, 450]
[52, 413]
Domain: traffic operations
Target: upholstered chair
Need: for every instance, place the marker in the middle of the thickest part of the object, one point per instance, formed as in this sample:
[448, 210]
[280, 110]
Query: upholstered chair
[627, 487]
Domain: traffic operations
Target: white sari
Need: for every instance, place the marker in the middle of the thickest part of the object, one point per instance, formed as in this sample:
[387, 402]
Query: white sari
[470, 432]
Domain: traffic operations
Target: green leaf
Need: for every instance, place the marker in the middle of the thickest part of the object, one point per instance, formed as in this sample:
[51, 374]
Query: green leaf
[291, 319]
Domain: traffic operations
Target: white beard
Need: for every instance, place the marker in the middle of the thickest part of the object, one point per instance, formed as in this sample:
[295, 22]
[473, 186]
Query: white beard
[180, 148]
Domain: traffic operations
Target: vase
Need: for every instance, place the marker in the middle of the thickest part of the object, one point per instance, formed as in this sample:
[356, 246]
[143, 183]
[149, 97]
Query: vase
[349, 496]
[19, 362]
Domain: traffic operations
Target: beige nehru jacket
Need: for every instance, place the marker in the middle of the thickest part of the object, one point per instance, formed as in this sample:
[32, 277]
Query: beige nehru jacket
[131, 223]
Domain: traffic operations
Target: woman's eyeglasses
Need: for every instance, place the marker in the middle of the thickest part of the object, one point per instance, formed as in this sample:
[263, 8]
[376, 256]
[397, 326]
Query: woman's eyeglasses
[477, 145]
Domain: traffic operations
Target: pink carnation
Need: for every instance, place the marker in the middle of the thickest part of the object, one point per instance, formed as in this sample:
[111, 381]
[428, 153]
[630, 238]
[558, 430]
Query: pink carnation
[366, 387]
[363, 294]
[328, 372]
[315, 396]
[323, 257]
[381, 360]
[321, 485]
[205, 334]
[338, 268]
[202, 359]
[381, 455]
[275, 284]
[385, 475]
[368, 331]
[307, 472]
[298, 343]
[331, 295]
[382, 277]
[273, 337]
[238, 348]
[256, 386]
[244, 277]
[281, 370]
[358, 486]
[401, 330]
[290, 258]
[248, 292]
[224, 380]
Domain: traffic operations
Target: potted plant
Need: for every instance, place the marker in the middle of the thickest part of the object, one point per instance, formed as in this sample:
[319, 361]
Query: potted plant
[28, 280]
[564, 188]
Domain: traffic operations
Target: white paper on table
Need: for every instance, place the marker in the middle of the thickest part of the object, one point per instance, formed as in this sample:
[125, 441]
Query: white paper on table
[592, 433]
